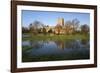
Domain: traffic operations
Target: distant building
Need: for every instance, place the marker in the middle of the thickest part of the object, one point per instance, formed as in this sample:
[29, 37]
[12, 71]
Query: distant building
[59, 28]
[60, 21]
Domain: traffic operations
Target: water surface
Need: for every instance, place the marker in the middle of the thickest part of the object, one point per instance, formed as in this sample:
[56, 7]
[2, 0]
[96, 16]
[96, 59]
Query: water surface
[50, 50]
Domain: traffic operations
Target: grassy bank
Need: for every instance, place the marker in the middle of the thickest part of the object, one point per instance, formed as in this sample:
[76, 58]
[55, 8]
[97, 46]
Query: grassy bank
[56, 37]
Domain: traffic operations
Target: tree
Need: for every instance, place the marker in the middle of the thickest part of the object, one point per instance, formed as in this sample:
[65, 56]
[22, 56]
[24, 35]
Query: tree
[44, 31]
[58, 28]
[50, 31]
[68, 27]
[75, 23]
[36, 26]
[72, 26]
[85, 28]
[30, 27]
[25, 30]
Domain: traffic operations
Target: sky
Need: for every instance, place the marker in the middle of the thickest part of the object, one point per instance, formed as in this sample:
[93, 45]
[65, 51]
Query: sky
[50, 17]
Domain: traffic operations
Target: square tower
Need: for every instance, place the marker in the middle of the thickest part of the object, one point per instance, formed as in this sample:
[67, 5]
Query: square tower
[60, 21]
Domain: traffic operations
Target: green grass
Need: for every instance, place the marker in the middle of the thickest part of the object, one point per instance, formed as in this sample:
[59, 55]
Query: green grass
[56, 37]
[26, 48]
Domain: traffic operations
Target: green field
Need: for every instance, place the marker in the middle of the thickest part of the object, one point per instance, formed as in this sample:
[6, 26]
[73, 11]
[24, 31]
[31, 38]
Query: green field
[55, 37]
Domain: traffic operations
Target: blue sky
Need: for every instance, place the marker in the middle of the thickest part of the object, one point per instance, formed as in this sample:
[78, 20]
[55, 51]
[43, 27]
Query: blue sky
[50, 18]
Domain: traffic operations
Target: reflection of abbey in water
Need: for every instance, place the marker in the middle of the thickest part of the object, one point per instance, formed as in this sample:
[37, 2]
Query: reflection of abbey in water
[74, 44]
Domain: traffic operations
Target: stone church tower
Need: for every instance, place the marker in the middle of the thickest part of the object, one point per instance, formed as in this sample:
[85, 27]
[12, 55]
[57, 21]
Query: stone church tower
[60, 21]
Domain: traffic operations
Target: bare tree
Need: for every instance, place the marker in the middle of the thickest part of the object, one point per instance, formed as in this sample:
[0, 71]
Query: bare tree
[68, 27]
[72, 26]
[58, 28]
[44, 31]
[36, 26]
[75, 23]
[85, 28]
[25, 30]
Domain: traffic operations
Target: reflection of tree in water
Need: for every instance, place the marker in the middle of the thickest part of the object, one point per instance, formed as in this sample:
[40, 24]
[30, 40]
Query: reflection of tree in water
[85, 43]
[38, 44]
[76, 44]
[72, 44]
